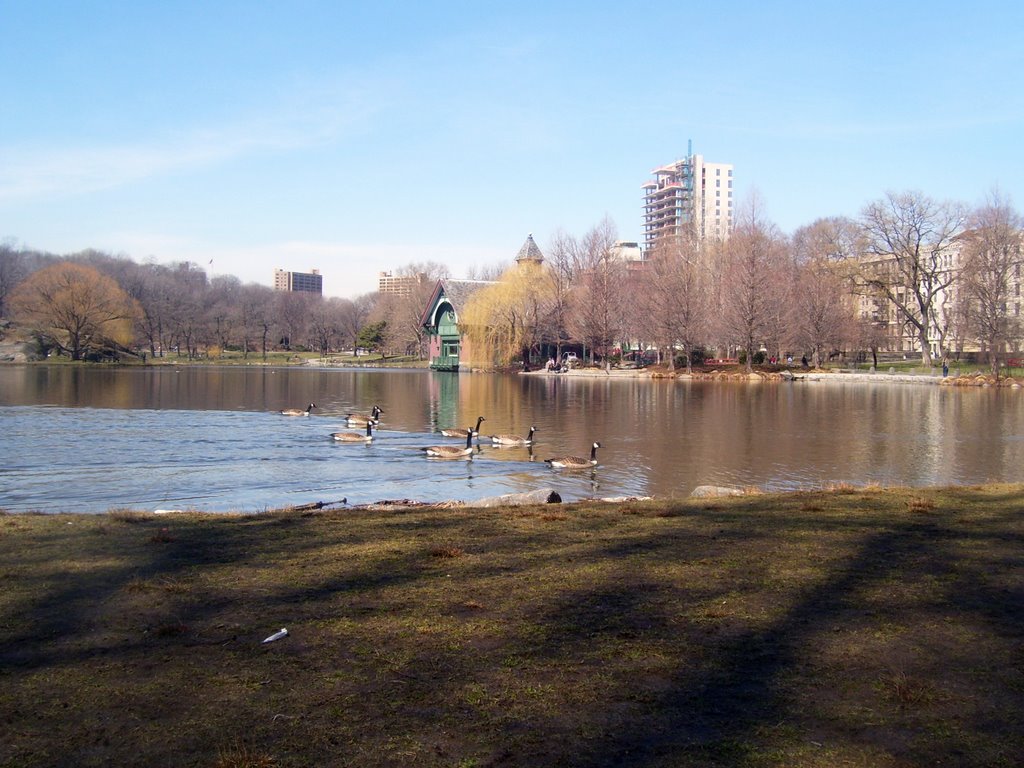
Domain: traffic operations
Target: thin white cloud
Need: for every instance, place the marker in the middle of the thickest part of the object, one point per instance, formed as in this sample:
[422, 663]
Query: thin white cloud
[31, 172]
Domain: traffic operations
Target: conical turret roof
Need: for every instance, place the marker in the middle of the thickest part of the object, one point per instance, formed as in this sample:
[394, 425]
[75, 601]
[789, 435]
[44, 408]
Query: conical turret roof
[529, 251]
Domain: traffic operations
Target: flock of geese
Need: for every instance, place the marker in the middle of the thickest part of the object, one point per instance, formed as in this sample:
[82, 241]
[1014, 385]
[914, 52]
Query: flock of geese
[371, 421]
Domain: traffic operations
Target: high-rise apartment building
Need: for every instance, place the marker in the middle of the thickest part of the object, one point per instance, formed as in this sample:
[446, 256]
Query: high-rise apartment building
[402, 285]
[688, 195]
[305, 282]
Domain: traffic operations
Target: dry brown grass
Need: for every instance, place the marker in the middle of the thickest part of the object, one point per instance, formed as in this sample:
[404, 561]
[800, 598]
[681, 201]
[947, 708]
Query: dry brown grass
[163, 536]
[128, 516]
[919, 504]
[447, 551]
[238, 755]
[806, 630]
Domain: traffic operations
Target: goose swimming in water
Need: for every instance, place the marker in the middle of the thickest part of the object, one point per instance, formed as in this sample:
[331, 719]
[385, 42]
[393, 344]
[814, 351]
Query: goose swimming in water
[514, 439]
[576, 462]
[354, 437]
[473, 432]
[357, 420]
[298, 411]
[450, 451]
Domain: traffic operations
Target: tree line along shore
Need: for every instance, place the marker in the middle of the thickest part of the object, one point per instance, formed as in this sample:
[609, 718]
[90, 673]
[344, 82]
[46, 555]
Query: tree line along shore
[934, 280]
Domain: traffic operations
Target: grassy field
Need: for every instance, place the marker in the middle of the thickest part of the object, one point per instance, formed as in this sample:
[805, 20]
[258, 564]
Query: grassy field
[849, 628]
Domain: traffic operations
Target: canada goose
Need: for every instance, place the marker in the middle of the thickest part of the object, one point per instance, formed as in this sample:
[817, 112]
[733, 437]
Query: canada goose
[473, 432]
[514, 439]
[356, 420]
[450, 451]
[575, 462]
[355, 437]
[297, 411]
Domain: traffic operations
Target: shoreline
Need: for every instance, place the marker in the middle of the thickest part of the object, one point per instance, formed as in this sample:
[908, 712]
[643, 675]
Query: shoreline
[513, 503]
[831, 376]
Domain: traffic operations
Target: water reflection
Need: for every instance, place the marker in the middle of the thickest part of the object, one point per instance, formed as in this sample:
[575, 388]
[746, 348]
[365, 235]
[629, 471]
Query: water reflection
[213, 438]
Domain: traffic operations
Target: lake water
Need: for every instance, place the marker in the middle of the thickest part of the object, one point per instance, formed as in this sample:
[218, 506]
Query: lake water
[210, 438]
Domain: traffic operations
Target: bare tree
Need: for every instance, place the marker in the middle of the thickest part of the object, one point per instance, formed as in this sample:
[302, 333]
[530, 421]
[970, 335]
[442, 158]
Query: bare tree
[991, 274]
[257, 317]
[221, 314]
[12, 271]
[352, 316]
[184, 306]
[674, 298]
[489, 272]
[291, 311]
[823, 314]
[754, 256]
[907, 241]
[779, 286]
[832, 239]
[597, 299]
[562, 256]
[325, 323]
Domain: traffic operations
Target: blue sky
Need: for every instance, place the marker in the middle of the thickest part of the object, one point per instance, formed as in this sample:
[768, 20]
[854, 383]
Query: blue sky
[357, 137]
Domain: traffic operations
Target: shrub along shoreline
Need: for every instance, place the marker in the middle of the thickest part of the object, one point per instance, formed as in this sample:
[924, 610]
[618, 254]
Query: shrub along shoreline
[856, 627]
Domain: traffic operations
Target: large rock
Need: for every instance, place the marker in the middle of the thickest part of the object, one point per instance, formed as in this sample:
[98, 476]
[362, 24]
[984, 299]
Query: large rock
[710, 491]
[542, 496]
[16, 352]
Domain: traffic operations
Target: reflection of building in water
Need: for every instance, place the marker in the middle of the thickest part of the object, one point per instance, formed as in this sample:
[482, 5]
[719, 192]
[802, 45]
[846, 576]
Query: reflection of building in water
[444, 400]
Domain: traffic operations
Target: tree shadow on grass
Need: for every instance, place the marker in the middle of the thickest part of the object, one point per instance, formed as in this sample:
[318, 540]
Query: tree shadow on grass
[716, 705]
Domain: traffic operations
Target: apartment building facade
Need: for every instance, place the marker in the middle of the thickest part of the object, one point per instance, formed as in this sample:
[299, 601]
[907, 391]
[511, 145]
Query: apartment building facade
[300, 282]
[399, 285]
[953, 319]
[689, 195]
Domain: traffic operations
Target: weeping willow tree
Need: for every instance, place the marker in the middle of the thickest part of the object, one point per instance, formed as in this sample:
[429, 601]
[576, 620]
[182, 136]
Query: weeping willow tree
[504, 321]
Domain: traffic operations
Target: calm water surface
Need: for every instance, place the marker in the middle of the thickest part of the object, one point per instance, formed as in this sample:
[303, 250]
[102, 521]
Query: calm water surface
[88, 440]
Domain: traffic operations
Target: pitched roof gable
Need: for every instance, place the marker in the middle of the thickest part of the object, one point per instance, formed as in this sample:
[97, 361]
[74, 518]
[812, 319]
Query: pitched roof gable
[457, 292]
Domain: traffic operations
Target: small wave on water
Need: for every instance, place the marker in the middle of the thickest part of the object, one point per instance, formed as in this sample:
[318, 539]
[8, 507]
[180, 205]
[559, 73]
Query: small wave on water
[91, 460]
